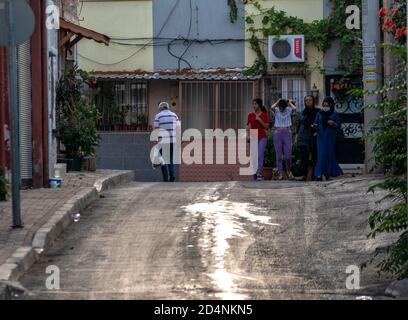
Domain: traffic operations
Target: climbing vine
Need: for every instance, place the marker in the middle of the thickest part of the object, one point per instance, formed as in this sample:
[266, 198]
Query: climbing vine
[320, 33]
[233, 10]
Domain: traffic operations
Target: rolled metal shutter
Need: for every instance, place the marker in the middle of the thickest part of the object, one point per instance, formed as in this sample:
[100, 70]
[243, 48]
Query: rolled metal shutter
[24, 96]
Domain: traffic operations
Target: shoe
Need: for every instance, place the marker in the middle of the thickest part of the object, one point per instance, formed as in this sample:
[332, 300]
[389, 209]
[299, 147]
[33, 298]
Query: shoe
[304, 179]
[327, 178]
[319, 179]
[172, 179]
[280, 177]
[260, 178]
[290, 176]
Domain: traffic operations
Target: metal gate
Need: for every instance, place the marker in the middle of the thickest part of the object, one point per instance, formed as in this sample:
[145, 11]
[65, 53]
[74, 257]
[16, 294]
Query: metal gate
[215, 105]
[350, 146]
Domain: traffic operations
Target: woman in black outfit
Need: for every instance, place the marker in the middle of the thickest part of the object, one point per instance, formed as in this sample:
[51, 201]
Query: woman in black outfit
[306, 137]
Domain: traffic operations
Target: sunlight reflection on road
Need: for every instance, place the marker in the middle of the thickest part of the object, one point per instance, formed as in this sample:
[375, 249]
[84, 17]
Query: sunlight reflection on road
[223, 220]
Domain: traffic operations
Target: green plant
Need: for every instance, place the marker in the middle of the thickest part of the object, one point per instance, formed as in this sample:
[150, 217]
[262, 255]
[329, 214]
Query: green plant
[142, 122]
[3, 185]
[78, 116]
[270, 157]
[320, 33]
[388, 132]
[233, 10]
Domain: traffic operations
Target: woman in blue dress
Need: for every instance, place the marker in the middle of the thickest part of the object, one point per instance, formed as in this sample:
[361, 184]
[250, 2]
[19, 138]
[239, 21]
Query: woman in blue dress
[327, 123]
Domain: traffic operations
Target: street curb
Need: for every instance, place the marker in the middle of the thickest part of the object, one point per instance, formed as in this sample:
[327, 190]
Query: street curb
[24, 257]
[398, 289]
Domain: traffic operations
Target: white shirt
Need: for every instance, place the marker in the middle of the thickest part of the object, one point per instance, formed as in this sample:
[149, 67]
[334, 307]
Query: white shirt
[283, 119]
[167, 121]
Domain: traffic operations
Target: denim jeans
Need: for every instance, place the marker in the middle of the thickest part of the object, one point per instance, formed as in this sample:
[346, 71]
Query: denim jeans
[168, 168]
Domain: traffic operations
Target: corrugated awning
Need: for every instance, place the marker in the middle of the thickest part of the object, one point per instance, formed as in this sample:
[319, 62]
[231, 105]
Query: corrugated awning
[186, 74]
[71, 29]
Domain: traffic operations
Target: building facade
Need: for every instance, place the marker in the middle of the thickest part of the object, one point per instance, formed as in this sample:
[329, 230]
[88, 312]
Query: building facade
[32, 75]
[189, 54]
[40, 63]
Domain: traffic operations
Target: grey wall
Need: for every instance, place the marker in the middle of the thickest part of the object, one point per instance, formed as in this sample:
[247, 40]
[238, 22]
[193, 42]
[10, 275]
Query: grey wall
[210, 20]
[331, 61]
[127, 151]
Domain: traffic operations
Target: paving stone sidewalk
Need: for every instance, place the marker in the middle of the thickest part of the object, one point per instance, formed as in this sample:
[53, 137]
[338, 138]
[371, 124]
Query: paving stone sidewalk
[38, 206]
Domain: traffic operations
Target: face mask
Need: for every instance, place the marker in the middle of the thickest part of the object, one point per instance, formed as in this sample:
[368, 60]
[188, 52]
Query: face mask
[326, 109]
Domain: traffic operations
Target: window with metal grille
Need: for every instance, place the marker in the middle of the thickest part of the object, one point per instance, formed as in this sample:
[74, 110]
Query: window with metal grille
[123, 106]
[284, 87]
[216, 105]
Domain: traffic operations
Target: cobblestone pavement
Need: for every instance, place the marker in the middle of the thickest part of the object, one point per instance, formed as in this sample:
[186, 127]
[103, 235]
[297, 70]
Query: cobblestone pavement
[37, 206]
[268, 240]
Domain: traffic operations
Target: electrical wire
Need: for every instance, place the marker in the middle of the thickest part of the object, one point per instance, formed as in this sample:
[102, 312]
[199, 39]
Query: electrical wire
[187, 42]
[143, 47]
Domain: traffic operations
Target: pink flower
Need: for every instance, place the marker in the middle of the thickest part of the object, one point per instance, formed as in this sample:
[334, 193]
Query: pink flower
[401, 32]
[383, 12]
[395, 12]
[389, 25]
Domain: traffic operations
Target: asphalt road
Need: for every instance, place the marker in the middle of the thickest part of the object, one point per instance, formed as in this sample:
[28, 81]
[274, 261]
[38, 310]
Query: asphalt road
[269, 240]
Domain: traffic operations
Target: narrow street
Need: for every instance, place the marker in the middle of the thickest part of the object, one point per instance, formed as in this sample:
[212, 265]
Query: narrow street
[233, 240]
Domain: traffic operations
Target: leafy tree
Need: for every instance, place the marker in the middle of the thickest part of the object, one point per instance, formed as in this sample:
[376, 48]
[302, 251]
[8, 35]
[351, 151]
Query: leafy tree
[389, 133]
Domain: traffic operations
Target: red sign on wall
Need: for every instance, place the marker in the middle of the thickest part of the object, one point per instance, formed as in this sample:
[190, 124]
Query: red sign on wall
[298, 47]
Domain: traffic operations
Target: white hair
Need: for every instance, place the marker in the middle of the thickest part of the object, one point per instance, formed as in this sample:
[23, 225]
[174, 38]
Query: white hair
[164, 106]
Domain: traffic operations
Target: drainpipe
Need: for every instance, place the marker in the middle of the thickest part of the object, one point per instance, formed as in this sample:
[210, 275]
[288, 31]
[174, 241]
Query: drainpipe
[3, 107]
[45, 120]
[37, 96]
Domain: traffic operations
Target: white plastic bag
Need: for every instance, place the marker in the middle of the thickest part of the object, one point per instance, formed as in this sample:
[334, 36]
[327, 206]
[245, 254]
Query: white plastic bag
[157, 159]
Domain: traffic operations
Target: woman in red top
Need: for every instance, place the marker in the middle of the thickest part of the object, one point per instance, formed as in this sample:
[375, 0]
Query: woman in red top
[259, 120]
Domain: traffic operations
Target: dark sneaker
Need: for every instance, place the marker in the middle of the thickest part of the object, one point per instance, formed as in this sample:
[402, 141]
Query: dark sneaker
[172, 179]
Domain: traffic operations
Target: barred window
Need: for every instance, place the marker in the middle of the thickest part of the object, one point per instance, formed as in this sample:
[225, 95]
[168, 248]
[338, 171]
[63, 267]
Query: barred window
[123, 105]
[216, 105]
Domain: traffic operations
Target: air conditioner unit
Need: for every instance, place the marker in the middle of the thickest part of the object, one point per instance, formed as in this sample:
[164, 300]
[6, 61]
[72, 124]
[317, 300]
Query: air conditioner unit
[287, 48]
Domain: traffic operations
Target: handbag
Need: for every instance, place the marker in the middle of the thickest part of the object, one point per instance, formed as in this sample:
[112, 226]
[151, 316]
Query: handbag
[297, 169]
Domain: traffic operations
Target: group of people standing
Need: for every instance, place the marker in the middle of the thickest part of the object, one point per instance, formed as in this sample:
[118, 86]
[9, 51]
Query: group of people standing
[315, 140]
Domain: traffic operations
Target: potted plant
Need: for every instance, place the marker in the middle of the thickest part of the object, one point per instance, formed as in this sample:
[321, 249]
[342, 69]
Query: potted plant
[142, 122]
[78, 118]
[270, 158]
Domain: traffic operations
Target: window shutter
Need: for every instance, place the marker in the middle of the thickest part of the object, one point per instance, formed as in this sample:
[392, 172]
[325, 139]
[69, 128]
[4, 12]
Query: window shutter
[24, 96]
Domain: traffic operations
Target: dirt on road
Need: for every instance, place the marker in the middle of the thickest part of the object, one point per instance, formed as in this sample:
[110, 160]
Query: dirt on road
[232, 240]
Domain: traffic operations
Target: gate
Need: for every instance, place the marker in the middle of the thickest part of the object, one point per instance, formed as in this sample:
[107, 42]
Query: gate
[350, 147]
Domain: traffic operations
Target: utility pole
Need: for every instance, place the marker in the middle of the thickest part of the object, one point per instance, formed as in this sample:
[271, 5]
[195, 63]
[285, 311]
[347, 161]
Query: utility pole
[372, 72]
[14, 116]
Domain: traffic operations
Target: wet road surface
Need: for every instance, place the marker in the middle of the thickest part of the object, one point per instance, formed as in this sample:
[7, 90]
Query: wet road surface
[232, 240]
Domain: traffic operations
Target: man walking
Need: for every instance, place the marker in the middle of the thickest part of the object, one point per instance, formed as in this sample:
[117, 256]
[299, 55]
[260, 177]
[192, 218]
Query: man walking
[167, 122]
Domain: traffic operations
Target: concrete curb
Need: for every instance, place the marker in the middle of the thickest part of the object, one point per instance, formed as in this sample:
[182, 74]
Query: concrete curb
[398, 289]
[24, 257]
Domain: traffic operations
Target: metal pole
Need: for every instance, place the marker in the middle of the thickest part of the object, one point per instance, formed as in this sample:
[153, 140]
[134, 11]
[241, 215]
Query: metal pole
[372, 73]
[14, 117]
